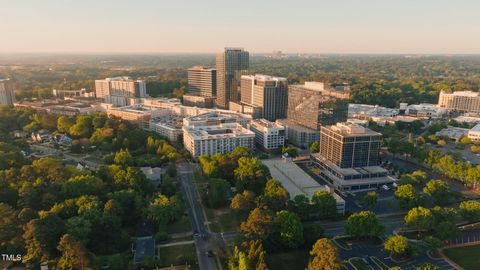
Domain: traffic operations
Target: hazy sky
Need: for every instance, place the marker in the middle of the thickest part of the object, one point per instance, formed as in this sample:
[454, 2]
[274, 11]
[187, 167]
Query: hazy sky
[315, 26]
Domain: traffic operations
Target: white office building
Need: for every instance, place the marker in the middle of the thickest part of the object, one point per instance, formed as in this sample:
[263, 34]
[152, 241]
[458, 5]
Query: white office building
[268, 135]
[213, 139]
[121, 91]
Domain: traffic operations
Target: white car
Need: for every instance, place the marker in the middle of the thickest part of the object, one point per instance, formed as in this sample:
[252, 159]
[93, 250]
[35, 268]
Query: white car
[385, 187]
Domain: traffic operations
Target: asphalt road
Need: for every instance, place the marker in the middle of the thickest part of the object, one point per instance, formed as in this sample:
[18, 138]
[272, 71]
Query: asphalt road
[197, 219]
[391, 223]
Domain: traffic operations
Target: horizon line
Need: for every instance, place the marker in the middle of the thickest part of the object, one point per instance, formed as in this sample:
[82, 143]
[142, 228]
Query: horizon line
[252, 52]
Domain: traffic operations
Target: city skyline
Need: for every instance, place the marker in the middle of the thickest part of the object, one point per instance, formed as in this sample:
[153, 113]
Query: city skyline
[345, 27]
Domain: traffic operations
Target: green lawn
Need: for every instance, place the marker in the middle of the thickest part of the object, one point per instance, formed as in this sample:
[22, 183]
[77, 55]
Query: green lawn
[229, 221]
[296, 259]
[359, 264]
[179, 255]
[466, 257]
[179, 226]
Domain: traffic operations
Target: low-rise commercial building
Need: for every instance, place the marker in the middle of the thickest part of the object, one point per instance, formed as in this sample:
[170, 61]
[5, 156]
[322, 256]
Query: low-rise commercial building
[198, 101]
[169, 126]
[139, 114]
[62, 107]
[426, 110]
[214, 139]
[268, 135]
[297, 182]
[216, 117]
[474, 133]
[453, 133]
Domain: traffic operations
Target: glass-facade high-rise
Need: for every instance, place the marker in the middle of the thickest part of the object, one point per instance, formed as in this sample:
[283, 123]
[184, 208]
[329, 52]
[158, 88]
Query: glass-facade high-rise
[314, 104]
[232, 63]
[350, 146]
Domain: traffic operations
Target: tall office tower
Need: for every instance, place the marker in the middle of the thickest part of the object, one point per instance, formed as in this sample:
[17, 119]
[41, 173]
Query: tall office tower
[232, 63]
[266, 92]
[350, 145]
[315, 104]
[7, 95]
[120, 90]
[202, 81]
[460, 101]
[349, 157]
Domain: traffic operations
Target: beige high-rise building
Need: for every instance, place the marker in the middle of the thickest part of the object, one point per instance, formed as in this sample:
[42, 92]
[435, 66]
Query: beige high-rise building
[232, 63]
[7, 95]
[266, 92]
[202, 81]
[120, 90]
[460, 101]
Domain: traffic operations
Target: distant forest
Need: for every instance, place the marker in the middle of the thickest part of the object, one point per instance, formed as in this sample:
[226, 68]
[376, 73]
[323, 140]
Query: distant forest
[386, 80]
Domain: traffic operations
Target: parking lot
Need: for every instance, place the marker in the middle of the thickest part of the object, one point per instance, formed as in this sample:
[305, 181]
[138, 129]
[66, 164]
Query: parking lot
[367, 250]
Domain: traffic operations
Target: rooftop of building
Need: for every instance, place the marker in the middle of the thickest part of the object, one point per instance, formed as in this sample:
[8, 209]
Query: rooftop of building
[468, 118]
[265, 123]
[137, 109]
[476, 128]
[326, 89]
[464, 93]
[294, 179]
[203, 68]
[293, 125]
[196, 97]
[173, 121]
[233, 49]
[120, 78]
[357, 171]
[347, 129]
[263, 77]
[217, 115]
[224, 130]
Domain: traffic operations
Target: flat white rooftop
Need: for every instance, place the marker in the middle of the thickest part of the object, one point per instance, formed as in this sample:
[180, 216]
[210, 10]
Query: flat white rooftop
[226, 130]
[294, 179]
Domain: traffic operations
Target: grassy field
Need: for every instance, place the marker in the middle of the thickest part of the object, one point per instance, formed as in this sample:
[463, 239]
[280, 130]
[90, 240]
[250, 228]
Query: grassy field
[297, 259]
[466, 257]
[229, 221]
[179, 255]
[179, 226]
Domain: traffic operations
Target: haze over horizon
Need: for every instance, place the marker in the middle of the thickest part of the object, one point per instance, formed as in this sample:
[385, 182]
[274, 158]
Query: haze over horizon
[187, 26]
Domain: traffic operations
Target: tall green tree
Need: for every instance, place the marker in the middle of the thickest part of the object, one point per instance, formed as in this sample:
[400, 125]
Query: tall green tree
[291, 229]
[324, 256]
[408, 196]
[470, 210]
[370, 199]
[74, 254]
[250, 255]
[217, 192]
[438, 190]
[325, 204]
[275, 196]
[260, 224]
[396, 245]
[420, 218]
[364, 224]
